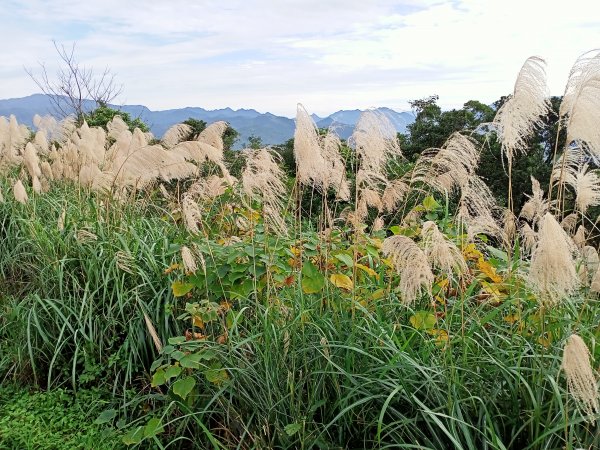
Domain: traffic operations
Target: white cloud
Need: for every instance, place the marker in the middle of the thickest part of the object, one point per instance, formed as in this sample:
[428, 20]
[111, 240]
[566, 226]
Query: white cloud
[327, 54]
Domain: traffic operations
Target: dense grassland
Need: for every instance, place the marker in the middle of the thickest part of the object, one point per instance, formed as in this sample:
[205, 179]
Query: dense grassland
[153, 293]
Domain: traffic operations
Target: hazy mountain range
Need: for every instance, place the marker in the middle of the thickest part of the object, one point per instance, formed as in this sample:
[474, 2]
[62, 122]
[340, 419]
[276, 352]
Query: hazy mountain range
[270, 128]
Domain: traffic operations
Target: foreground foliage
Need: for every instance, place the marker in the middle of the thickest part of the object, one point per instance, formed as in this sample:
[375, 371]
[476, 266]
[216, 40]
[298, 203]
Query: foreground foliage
[368, 303]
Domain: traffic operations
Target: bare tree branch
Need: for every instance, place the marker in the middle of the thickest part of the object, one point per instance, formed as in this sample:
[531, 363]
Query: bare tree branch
[75, 85]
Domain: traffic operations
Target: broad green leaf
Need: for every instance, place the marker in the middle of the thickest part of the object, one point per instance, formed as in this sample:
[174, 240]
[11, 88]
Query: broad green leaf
[216, 375]
[106, 416]
[176, 340]
[310, 270]
[192, 361]
[313, 285]
[345, 259]
[134, 436]
[180, 288]
[430, 204]
[423, 320]
[312, 280]
[172, 372]
[183, 387]
[293, 428]
[342, 281]
[159, 378]
[497, 253]
[153, 427]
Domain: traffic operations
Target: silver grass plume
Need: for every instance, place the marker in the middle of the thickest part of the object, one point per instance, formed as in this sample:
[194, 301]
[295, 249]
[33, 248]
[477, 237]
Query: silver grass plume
[191, 213]
[189, 262]
[522, 113]
[528, 238]
[263, 178]
[310, 163]
[579, 237]
[335, 173]
[588, 265]
[580, 107]
[20, 193]
[411, 264]
[552, 270]
[586, 185]
[441, 252]
[478, 210]
[580, 375]
[448, 168]
[213, 135]
[537, 206]
[393, 194]
[176, 134]
[31, 161]
[569, 222]
[374, 139]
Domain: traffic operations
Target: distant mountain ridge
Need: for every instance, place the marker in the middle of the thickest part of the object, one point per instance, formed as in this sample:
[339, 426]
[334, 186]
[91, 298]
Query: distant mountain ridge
[270, 128]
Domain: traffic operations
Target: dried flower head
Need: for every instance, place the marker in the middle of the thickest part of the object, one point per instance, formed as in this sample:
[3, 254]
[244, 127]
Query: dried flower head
[580, 375]
[411, 264]
[20, 193]
[441, 252]
[552, 271]
[189, 262]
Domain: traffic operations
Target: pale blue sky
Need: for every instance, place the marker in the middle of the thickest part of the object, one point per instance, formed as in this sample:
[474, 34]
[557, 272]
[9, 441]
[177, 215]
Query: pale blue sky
[328, 55]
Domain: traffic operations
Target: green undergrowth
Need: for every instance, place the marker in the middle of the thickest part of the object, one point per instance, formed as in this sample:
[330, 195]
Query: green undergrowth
[272, 341]
[55, 420]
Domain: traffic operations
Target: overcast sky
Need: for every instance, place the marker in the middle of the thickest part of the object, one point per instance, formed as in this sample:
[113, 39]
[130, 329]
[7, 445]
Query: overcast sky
[271, 54]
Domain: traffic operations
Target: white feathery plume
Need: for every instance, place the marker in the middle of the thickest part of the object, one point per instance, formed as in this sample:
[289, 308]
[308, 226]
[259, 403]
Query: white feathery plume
[450, 167]
[116, 127]
[263, 178]
[579, 237]
[378, 224]
[213, 135]
[411, 264]
[31, 161]
[522, 112]
[61, 220]
[189, 262]
[374, 139]
[335, 173]
[36, 185]
[552, 271]
[441, 252]
[528, 238]
[310, 163]
[586, 184]
[589, 264]
[174, 135]
[537, 206]
[569, 222]
[41, 142]
[578, 370]
[580, 106]
[191, 213]
[393, 194]
[19, 192]
[478, 208]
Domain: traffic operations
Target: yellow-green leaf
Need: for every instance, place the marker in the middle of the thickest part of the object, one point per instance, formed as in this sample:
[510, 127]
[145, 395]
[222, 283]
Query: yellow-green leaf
[180, 288]
[423, 320]
[184, 386]
[367, 269]
[342, 281]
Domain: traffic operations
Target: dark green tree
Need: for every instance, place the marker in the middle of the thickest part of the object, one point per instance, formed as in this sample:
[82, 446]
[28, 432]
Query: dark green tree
[100, 117]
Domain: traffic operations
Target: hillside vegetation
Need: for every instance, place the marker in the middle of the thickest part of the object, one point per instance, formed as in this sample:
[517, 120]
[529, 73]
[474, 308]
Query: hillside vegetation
[170, 294]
